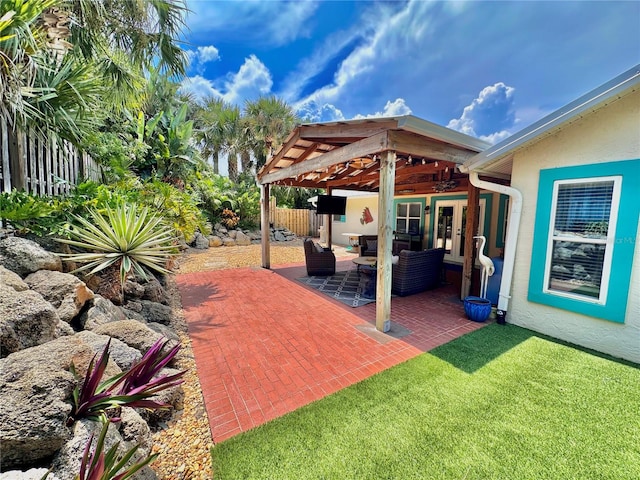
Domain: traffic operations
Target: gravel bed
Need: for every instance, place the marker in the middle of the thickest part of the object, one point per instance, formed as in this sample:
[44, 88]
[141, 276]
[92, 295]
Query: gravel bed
[185, 441]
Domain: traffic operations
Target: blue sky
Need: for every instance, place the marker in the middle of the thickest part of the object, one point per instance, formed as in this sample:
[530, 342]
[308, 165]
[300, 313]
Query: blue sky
[488, 69]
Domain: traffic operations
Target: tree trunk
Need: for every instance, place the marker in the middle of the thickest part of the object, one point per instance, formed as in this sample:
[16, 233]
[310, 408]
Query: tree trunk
[233, 166]
[245, 158]
[215, 160]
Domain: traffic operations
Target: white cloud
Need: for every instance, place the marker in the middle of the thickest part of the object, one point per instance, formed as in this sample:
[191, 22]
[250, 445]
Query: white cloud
[208, 54]
[273, 23]
[491, 109]
[252, 80]
[199, 87]
[397, 108]
[312, 111]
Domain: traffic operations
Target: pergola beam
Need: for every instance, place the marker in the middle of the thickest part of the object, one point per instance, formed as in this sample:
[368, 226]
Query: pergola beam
[367, 146]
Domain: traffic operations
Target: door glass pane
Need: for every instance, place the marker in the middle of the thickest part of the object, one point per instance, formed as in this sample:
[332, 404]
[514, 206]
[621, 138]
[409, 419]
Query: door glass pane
[445, 226]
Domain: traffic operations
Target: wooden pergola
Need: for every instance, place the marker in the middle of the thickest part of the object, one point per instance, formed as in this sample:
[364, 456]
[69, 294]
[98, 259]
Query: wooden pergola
[391, 156]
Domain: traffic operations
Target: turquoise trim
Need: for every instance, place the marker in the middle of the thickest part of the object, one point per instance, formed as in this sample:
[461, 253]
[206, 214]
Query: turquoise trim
[343, 218]
[625, 239]
[502, 207]
[487, 213]
[421, 200]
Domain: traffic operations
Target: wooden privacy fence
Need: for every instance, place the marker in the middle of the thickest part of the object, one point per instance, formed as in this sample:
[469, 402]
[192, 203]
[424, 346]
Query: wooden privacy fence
[300, 221]
[41, 166]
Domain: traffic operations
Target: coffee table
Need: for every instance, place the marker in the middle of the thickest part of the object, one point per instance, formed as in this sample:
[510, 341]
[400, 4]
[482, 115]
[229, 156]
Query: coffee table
[368, 261]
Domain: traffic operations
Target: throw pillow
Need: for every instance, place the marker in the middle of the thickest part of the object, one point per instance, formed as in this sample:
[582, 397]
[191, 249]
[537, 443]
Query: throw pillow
[318, 247]
[395, 259]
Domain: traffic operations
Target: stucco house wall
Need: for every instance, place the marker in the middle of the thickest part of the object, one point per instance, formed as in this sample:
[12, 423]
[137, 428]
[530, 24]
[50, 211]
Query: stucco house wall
[610, 134]
[355, 206]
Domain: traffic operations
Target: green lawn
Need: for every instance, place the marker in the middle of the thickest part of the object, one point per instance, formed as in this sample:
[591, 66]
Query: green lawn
[500, 403]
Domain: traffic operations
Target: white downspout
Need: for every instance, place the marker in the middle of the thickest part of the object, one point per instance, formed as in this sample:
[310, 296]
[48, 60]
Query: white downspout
[513, 227]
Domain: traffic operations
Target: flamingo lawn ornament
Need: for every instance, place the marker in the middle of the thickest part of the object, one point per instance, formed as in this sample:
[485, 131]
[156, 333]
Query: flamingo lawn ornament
[487, 267]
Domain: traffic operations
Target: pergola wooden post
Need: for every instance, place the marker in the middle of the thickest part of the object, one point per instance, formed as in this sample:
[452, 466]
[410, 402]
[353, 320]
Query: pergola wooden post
[471, 228]
[328, 223]
[385, 239]
[264, 225]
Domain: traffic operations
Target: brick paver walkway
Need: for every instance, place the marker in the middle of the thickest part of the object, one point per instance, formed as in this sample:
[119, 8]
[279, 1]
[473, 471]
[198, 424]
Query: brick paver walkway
[265, 345]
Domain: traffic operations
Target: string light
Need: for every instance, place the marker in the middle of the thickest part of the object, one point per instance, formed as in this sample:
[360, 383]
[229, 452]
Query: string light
[435, 164]
[424, 161]
[446, 169]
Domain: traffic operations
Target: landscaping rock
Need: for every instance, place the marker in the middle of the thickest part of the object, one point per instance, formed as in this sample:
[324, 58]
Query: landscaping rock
[12, 279]
[164, 330]
[132, 332]
[35, 394]
[24, 256]
[156, 312]
[229, 242]
[31, 474]
[242, 239]
[67, 461]
[200, 241]
[172, 397]
[133, 289]
[63, 290]
[122, 354]
[215, 241]
[27, 320]
[155, 292]
[102, 311]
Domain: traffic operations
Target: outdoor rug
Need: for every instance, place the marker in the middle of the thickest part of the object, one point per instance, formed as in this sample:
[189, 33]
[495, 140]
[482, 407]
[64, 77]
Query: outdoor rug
[342, 286]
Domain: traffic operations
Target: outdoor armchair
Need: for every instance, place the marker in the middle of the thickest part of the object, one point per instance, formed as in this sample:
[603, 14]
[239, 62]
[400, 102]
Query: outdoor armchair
[319, 260]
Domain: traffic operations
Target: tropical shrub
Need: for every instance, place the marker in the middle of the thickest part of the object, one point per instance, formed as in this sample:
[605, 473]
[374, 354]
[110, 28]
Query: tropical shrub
[131, 388]
[126, 238]
[98, 465]
[27, 213]
[229, 219]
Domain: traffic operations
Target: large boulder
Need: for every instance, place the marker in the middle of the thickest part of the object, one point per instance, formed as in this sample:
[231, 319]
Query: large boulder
[102, 311]
[35, 394]
[67, 462]
[122, 354]
[242, 239]
[64, 291]
[132, 332]
[12, 279]
[27, 320]
[31, 474]
[155, 292]
[215, 241]
[24, 256]
[200, 241]
[156, 312]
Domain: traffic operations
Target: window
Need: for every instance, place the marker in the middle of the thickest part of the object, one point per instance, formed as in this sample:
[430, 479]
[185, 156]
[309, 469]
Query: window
[581, 237]
[584, 238]
[339, 218]
[408, 218]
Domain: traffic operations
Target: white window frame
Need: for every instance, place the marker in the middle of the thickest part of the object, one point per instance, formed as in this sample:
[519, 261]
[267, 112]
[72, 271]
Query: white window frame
[609, 241]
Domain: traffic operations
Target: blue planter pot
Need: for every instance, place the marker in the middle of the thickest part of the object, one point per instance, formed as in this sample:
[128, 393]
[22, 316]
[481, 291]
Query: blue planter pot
[477, 309]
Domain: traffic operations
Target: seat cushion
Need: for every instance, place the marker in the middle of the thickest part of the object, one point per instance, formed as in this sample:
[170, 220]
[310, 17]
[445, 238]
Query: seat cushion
[317, 247]
[372, 245]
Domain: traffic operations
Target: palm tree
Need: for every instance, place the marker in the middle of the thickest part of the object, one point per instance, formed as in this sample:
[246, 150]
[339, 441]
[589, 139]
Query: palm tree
[209, 134]
[269, 120]
[55, 54]
[234, 138]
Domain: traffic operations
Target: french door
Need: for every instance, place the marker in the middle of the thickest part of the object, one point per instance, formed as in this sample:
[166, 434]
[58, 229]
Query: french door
[449, 227]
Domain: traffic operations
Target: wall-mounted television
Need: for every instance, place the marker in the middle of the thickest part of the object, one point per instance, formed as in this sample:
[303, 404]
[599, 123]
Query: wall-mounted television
[330, 205]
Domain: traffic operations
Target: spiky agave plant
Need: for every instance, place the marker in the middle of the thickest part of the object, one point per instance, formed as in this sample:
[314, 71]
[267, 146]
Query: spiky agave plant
[122, 238]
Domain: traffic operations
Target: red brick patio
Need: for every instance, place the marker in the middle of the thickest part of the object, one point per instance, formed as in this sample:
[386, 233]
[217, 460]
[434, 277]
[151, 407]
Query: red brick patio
[265, 345]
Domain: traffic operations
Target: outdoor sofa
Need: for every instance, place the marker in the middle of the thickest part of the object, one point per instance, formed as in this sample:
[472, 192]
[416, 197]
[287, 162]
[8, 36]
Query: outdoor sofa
[369, 246]
[319, 260]
[416, 271]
